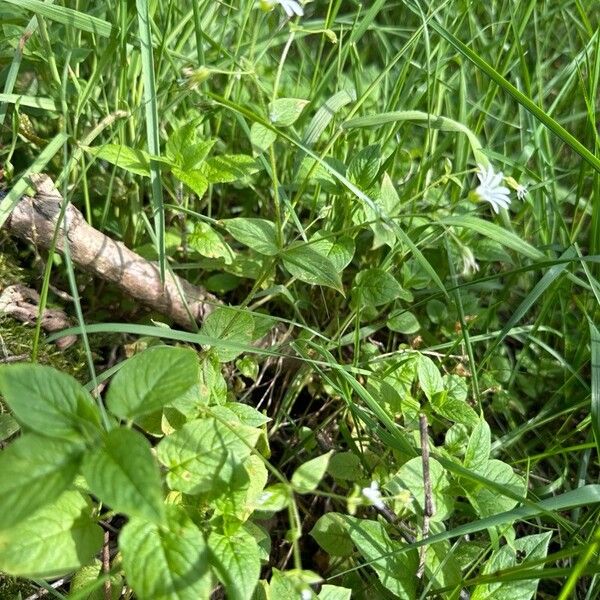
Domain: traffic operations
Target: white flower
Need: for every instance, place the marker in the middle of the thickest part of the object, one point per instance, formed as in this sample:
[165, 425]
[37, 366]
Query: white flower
[373, 495]
[490, 190]
[521, 191]
[470, 265]
[291, 7]
[306, 594]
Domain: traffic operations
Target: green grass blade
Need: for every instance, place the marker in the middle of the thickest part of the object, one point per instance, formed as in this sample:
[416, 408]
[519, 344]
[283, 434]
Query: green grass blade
[22, 184]
[519, 96]
[595, 361]
[66, 16]
[33, 101]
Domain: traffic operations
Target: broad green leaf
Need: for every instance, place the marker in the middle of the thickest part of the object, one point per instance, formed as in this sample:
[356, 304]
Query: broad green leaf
[292, 584]
[518, 552]
[228, 167]
[247, 414]
[154, 378]
[201, 455]
[36, 470]
[57, 539]
[331, 533]
[48, 401]
[339, 250]
[124, 475]
[284, 112]
[261, 137]
[395, 571]
[410, 477]
[274, 498]
[364, 167]
[310, 266]
[430, 380]
[258, 234]
[236, 559]
[184, 150]
[232, 331]
[456, 387]
[87, 585]
[454, 410]
[166, 563]
[374, 287]
[213, 387]
[208, 242]
[334, 592]
[487, 501]
[403, 321]
[345, 465]
[437, 311]
[132, 160]
[193, 178]
[307, 476]
[478, 447]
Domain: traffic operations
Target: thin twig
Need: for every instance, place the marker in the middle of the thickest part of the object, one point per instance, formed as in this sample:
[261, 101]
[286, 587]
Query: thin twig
[106, 566]
[428, 507]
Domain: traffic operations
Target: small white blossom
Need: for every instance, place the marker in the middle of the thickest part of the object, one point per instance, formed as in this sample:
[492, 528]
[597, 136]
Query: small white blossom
[470, 265]
[490, 190]
[291, 7]
[305, 594]
[373, 495]
[521, 191]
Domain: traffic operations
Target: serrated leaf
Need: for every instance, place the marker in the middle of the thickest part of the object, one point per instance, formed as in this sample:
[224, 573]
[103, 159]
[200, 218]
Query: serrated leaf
[57, 539]
[35, 470]
[201, 455]
[208, 242]
[193, 178]
[374, 287]
[152, 379]
[261, 137]
[307, 476]
[124, 475]
[454, 410]
[286, 111]
[166, 563]
[236, 559]
[331, 533]
[478, 447]
[258, 234]
[132, 160]
[228, 167]
[310, 266]
[49, 402]
[230, 330]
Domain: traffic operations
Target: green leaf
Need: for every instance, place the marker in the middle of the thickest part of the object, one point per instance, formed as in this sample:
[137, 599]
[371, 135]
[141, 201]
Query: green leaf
[36, 470]
[410, 477]
[261, 137]
[208, 242]
[152, 379]
[345, 465]
[8, 426]
[228, 167]
[437, 311]
[310, 266]
[374, 287]
[430, 380]
[403, 321]
[200, 456]
[478, 447]
[274, 498]
[57, 539]
[130, 159]
[332, 535]
[364, 167]
[48, 401]
[166, 563]
[487, 501]
[283, 112]
[334, 592]
[395, 571]
[231, 331]
[519, 552]
[236, 559]
[124, 475]
[194, 179]
[306, 477]
[454, 410]
[258, 234]
[338, 250]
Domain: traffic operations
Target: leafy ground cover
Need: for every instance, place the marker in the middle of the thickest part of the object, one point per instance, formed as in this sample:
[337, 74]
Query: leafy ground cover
[396, 391]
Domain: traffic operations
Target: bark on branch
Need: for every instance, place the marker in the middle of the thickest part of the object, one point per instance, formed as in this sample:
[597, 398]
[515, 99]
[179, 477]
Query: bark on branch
[35, 219]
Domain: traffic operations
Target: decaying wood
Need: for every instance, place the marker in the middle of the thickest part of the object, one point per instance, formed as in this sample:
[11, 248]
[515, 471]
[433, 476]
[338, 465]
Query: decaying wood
[35, 219]
[22, 303]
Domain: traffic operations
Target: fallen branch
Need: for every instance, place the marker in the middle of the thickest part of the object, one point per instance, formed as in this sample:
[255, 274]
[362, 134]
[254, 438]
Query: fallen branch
[36, 219]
